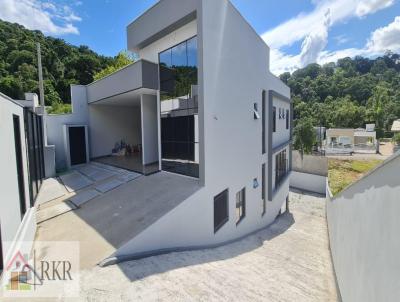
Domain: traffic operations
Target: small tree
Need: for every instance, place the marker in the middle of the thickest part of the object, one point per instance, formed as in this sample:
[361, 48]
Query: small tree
[304, 136]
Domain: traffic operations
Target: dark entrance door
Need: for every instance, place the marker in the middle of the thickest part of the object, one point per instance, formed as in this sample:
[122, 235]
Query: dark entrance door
[77, 145]
[20, 170]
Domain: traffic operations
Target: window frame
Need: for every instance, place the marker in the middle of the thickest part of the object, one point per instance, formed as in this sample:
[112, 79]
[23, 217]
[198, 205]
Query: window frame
[224, 193]
[263, 121]
[263, 195]
[287, 118]
[241, 205]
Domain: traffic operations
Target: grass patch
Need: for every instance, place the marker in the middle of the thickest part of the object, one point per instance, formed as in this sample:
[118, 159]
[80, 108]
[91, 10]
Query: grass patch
[342, 173]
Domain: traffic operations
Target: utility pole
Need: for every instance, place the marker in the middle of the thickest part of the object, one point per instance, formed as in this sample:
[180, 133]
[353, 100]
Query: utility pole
[41, 90]
[41, 94]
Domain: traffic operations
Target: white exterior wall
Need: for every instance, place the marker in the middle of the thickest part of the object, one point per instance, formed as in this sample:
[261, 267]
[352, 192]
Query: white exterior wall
[364, 224]
[55, 123]
[10, 215]
[233, 72]
[150, 53]
[149, 119]
[109, 124]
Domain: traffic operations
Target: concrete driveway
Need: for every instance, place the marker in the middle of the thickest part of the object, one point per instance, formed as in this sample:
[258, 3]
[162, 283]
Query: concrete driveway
[289, 261]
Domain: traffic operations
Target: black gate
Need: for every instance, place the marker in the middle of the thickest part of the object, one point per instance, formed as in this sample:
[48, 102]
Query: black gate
[34, 138]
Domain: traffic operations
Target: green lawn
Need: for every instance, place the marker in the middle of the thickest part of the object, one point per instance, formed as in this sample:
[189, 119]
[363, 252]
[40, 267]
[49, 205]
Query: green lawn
[345, 172]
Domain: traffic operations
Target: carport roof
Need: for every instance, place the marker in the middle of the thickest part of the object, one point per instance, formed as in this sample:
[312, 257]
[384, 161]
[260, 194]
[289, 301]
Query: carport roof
[139, 75]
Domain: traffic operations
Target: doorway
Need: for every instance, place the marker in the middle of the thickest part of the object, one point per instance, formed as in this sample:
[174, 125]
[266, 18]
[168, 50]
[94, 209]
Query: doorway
[20, 169]
[77, 144]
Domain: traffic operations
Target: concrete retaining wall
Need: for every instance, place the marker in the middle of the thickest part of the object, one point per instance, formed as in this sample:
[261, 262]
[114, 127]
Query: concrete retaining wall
[364, 226]
[309, 172]
[308, 182]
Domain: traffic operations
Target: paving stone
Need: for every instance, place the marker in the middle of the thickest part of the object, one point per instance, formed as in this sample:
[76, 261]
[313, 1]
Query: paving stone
[83, 197]
[108, 186]
[75, 181]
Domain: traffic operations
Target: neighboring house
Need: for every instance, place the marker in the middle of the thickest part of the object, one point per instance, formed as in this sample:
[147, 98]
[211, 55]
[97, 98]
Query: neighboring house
[351, 140]
[396, 126]
[200, 102]
[22, 172]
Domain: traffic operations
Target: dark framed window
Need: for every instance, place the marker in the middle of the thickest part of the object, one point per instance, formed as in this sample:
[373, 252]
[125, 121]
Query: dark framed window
[287, 119]
[280, 167]
[240, 205]
[263, 121]
[264, 201]
[274, 119]
[221, 209]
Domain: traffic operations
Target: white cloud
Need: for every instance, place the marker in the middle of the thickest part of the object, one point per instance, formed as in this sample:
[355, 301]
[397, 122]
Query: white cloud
[386, 38]
[301, 26]
[313, 29]
[47, 16]
[366, 7]
[315, 42]
[381, 40]
[341, 39]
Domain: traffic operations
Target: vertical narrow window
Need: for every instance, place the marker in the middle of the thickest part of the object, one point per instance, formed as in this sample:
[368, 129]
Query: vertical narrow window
[264, 204]
[221, 215]
[19, 164]
[240, 205]
[274, 119]
[263, 121]
[287, 119]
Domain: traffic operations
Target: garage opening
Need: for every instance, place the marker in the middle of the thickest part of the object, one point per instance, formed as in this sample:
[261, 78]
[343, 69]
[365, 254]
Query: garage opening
[124, 132]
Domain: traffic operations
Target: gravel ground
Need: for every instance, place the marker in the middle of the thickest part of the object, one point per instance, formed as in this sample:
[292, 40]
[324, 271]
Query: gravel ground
[289, 261]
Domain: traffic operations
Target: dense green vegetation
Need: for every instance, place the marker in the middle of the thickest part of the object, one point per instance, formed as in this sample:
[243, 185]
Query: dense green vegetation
[63, 64]
[349, 93]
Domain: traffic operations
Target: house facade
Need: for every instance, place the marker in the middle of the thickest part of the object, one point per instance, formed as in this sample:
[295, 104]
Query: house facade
[201, 103]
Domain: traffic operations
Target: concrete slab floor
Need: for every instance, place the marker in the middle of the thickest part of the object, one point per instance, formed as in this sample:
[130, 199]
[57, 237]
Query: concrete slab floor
[105, 222]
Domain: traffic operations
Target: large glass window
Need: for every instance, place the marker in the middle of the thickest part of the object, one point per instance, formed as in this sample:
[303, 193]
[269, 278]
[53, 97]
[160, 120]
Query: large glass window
[263, 122]
[274, 119]
[179, 108]
[264, 203]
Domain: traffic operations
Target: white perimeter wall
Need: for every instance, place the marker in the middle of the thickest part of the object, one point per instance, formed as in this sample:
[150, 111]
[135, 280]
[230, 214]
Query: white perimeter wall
[308, 182]
[55, 123]
[10, 215]
[149, 119]
[110, 124]
[233, 73]
[364, 226]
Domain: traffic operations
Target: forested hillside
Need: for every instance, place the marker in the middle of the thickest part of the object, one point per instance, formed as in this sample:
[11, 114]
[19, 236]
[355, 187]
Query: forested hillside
[63, 64]
[349, 93]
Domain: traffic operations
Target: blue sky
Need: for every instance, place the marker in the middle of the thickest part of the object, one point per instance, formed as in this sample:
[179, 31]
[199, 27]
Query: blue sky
[299, 32]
